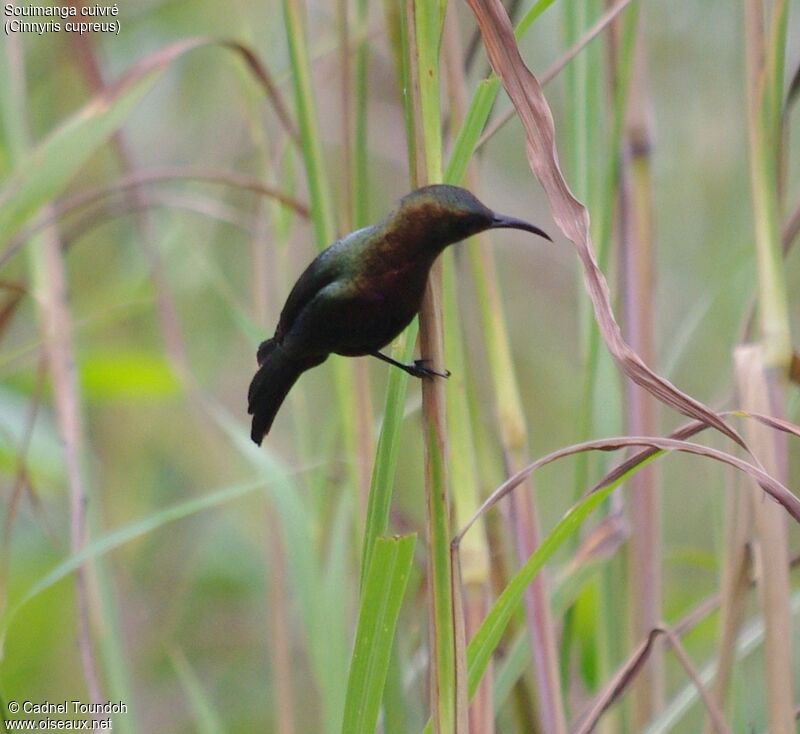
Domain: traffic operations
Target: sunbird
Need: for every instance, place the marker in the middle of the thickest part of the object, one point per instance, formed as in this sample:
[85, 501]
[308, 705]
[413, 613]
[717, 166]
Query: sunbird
[358, 294]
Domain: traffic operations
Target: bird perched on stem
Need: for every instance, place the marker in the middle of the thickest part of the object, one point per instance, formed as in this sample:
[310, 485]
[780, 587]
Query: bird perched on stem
[363, 290]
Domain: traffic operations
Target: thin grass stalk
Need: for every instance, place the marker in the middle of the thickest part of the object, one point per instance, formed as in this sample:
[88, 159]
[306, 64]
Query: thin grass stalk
[606, 150]
[474, 554]
[474, 120]
[425, 18]
[323, 219]
[397, 25]
[50, 292]
[644, 550]
[734, 584]
[280, 633]
[331, 648]
[346, 112]
[311, 141]
[761, 370]
[266, 260]
[764, 79]
[206, 718]
[360, 168]
[632, 668]
[49, 288]
[441, 612]
[383, 470]
[109, 641]
[759, 394]
[552, 71]
[360, 212]
[583, 117]
[592, 150]
[538, 617]
[514, 440]
[354, 153]
[513, 429]
[749, 640]
[321, 204]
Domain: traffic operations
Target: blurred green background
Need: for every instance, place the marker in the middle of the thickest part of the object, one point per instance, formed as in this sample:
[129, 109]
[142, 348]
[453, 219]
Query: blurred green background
[183, 611]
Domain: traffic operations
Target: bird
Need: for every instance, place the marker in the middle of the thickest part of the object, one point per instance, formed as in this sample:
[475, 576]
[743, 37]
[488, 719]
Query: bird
[358, 294]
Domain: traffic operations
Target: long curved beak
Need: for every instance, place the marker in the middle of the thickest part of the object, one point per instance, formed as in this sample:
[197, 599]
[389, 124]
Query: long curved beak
[501, 221]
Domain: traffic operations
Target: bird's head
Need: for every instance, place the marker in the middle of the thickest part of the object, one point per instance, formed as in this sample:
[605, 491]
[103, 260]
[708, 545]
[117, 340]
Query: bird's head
[444, 215]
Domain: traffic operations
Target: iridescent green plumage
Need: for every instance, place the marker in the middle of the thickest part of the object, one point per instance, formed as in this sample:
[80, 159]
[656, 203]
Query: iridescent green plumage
[363, 290]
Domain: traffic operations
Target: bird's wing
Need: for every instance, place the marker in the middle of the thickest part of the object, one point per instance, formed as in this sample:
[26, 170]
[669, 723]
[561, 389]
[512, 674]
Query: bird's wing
[312, 281]
[323, 271]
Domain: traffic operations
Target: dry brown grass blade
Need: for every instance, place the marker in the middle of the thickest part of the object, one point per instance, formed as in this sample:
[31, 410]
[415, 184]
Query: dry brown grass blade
[158, 61]
[628, 672]
[569, 214]
[794, 369]
[687, 431]
[617, 685]
[166, 55]
[204, 206]
[601, 542]
[265, 79]
[771, 486]
[190, 173]
[7, 309]
[560, 63]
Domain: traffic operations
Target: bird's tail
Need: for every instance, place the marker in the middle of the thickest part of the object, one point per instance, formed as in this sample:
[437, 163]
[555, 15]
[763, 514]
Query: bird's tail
[276, 374]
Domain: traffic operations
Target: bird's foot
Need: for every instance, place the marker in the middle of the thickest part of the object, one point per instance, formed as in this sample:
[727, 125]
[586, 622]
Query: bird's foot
[418, 369]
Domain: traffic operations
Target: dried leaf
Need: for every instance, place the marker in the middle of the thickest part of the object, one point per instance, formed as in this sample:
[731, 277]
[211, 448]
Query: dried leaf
[620, 682]
[570, 214]
[771, 486]
[687, 431]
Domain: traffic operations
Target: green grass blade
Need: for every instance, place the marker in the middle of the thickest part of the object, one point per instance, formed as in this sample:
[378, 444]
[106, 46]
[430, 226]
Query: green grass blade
[320, 588]
[44, 171]
[322, 213]
[106, 543]
[428, 15]
[384, 589]
[397, 29]
[329, 632]
[471, 129]
[206, 717]
[481, 105]
[360, 150]
[488, 636]
[310, 140]
[380, 493]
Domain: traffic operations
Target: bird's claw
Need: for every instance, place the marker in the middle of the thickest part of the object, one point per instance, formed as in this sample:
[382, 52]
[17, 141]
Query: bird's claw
[420, 370]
